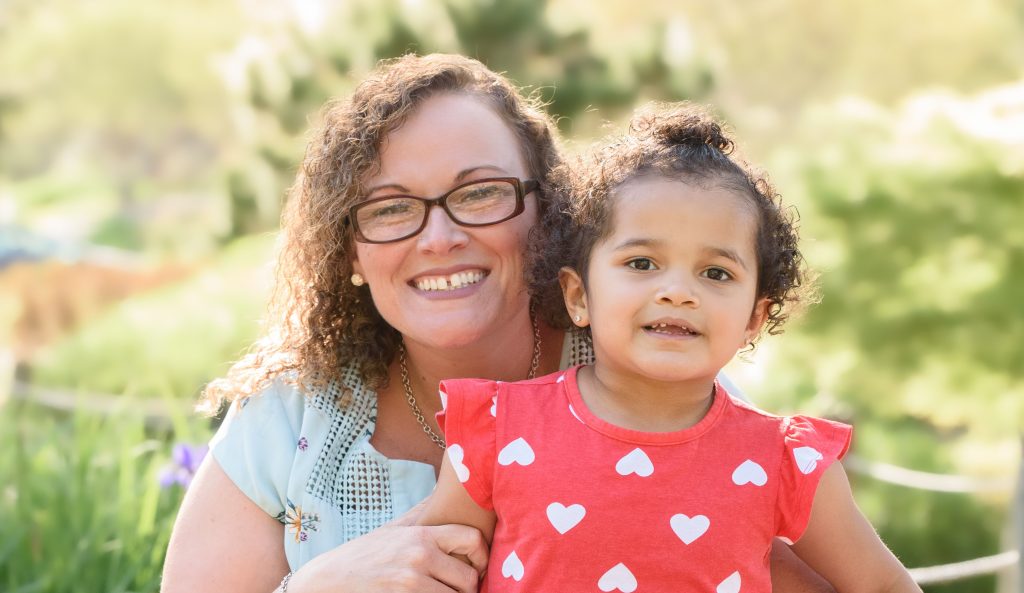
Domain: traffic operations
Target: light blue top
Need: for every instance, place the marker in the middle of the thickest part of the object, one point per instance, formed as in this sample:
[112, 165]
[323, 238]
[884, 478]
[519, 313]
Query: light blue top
[307, 461]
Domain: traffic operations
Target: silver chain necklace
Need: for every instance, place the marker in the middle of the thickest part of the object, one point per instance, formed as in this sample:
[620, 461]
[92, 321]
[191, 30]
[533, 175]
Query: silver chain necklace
[403, 364]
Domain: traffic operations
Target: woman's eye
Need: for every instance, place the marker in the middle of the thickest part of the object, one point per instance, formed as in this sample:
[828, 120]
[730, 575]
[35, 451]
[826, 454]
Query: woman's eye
[717, 274]
[641, 263]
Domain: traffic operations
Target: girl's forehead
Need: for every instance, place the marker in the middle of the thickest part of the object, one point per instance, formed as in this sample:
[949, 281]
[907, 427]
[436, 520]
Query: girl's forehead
[678, 212]
[670, 196]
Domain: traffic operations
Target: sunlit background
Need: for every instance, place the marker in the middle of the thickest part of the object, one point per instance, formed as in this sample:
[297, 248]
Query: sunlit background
[145, 149]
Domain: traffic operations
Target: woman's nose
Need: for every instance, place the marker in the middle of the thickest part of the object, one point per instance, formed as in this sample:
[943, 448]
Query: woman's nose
[441, 234]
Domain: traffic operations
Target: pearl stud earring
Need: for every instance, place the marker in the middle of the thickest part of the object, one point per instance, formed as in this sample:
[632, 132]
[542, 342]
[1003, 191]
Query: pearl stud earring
[357, 280]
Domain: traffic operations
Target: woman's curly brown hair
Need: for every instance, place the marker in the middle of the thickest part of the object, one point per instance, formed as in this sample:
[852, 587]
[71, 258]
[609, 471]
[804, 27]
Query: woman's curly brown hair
[318, 322]
[680, 141]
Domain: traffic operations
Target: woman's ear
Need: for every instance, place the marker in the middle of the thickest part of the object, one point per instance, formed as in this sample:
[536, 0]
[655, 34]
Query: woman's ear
[758, 317]
[575, 295]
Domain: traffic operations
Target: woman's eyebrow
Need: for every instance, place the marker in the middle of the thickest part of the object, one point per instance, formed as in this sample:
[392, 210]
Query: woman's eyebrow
[393, 186]
[461, 176]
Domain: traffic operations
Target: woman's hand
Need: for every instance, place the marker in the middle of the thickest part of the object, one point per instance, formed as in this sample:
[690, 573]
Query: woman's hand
[396, 559]
[223, 542]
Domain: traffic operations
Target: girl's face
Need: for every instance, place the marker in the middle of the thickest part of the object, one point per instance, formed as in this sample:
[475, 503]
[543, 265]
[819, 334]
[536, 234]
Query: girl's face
[671, 292]
[448, 140]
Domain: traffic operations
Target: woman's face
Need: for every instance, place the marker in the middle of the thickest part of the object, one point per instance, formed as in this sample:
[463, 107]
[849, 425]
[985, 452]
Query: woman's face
[448, 140]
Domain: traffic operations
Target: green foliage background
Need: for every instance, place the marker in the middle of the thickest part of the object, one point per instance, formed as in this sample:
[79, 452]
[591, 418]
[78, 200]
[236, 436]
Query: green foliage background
[173, 130]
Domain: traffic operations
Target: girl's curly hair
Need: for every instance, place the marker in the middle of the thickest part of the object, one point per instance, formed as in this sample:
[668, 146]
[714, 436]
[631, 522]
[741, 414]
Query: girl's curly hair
[318, 322]
[680, 141]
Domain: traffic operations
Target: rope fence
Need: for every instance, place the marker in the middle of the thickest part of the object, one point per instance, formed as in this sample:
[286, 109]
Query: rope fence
[900, 476]
[956, 571]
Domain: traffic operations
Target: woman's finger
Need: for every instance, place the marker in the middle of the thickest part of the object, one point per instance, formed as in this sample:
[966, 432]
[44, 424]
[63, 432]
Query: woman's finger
[464, 540]
[408, 519]
[454, 574]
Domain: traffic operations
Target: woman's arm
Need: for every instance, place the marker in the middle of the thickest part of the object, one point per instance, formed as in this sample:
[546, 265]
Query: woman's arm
[843, 547]
[790, 574]
[224, 542]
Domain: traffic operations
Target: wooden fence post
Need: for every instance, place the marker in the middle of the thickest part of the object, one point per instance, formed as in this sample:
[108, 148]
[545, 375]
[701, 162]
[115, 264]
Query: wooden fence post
[1018, 512]
[1012, 580]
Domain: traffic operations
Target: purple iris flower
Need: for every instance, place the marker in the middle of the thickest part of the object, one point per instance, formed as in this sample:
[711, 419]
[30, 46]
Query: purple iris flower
[185, 460]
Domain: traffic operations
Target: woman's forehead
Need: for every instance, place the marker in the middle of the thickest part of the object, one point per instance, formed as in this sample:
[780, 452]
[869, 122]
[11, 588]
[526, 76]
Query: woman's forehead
[445, 137]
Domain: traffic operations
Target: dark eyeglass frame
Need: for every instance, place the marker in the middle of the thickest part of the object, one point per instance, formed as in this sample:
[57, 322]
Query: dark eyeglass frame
[523, 188]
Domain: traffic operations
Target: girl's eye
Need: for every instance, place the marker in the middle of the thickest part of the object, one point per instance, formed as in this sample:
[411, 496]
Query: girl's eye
[640, 263]
[717, 274]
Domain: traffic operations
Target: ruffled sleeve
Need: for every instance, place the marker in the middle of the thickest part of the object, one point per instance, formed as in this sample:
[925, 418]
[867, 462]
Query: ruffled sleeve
[468, 422]
[255, 446]
[810, 445]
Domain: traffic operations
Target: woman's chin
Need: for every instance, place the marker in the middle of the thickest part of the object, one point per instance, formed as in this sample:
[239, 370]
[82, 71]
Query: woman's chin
[450, 334]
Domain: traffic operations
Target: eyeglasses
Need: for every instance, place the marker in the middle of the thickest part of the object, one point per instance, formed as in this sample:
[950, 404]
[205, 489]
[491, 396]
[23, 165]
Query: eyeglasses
[478, 203]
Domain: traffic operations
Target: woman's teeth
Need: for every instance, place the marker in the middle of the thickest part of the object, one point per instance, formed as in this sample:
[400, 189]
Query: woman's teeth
[456, 280]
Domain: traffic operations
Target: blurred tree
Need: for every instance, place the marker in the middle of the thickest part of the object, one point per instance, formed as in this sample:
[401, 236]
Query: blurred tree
[117, 90]
[918, 231]
[293, 61]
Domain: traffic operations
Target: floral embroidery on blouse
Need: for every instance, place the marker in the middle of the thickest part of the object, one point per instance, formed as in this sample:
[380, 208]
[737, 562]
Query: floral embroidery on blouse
[303, 444]
[301, 523]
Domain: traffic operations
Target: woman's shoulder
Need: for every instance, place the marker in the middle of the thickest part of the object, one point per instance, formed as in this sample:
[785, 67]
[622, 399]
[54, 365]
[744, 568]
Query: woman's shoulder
[288, 408]
[287, 396]
[290, 433]
[577, 349]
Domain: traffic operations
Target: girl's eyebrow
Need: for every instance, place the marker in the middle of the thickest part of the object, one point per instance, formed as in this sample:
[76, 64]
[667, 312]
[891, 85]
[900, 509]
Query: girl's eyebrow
[629, 243]
[655, 243]
[728, 254]
[462, 175]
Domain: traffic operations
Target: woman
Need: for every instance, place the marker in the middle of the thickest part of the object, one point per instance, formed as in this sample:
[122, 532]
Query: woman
[379, 296]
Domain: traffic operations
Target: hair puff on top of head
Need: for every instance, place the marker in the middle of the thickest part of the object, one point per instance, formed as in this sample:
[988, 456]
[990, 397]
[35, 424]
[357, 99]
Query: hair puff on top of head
[681, 124]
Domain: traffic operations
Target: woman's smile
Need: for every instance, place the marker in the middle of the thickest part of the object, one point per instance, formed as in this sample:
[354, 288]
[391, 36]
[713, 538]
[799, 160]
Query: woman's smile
[449, 282]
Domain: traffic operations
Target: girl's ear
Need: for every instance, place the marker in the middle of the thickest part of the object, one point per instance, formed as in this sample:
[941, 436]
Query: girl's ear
[758, 317]
[575, 295]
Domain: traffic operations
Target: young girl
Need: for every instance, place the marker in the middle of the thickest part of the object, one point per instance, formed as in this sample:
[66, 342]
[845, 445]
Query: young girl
[641, 473]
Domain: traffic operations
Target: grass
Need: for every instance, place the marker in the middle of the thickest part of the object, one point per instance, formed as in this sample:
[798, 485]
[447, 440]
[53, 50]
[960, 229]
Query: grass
[80, 503]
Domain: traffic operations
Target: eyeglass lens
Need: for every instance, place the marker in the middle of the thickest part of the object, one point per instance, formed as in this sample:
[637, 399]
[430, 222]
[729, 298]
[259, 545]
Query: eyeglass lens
[480, 203]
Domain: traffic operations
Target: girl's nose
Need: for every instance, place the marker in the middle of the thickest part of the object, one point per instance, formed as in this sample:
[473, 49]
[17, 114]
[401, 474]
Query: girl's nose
[678, 291]
[441, 235]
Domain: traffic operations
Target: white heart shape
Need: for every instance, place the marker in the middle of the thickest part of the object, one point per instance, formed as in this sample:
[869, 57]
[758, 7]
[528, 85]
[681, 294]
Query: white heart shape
[494, 406]
[512, 567]
[617, 577]
[563, 518]
[635, 462]
[574, 414]
[731, 584]
[807, 459]
[456, 455]
[518, 451]
[689, 529]
[749, 472]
